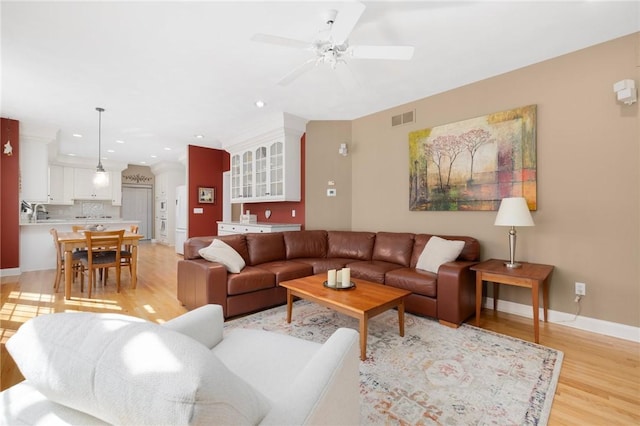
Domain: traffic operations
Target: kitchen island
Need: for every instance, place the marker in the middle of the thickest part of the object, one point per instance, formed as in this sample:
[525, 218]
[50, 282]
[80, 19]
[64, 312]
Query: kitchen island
[37, 251]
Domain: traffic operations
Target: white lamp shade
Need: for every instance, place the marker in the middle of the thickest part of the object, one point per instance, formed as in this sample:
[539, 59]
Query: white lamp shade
[514, 212]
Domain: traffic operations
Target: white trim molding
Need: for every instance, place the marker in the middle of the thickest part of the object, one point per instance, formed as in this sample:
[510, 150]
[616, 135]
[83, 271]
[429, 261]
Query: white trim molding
[593, 325]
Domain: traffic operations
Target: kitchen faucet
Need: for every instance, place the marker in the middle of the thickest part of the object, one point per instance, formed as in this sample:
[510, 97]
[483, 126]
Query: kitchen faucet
[34, 215]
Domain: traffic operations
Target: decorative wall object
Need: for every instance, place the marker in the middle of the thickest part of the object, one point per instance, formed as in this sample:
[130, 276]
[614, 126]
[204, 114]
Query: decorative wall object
[206, 195]
[473, 164]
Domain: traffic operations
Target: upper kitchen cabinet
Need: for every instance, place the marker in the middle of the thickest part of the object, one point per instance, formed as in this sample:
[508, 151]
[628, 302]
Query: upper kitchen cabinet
[116, 188]
[33, 170]
[84, 189]
[266, 168]
[60, 185]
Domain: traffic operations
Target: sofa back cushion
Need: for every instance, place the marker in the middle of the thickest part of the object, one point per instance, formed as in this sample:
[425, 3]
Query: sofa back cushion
[193, 245]
[306, 244]
[350, 244]
[124, 370]
[470, 252]
[394, 247]
[265, 248]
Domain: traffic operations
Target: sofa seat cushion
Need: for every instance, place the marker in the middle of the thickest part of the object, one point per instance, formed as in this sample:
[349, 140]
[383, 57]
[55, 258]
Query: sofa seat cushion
[123, 370]
[287, 270]
[415, 280]
[321, 265]
[373, 270]
[238, 352]
[250, 279]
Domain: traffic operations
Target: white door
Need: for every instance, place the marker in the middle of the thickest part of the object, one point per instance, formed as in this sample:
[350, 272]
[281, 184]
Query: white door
[137, 204]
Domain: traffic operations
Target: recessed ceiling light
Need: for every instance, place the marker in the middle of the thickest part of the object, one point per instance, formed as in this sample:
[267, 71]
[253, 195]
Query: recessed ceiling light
[119, 141]
[110, 150]
[143, 162]
[260, 103]
[77, 135]
[167, 149]
[71, 155]
[198, 136]
[154, 156]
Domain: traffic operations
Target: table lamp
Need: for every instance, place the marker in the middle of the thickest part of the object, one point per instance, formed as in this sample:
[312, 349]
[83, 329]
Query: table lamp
[513, 212]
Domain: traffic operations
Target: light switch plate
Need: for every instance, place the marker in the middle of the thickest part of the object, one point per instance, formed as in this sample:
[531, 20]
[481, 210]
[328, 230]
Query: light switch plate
[198, 210]
[331, 192]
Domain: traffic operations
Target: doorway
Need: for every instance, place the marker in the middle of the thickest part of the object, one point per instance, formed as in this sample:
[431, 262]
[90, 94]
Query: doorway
[137, 204]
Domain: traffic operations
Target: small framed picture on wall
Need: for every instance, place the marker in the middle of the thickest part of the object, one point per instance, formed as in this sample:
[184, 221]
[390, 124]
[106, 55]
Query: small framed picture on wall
[206, 195]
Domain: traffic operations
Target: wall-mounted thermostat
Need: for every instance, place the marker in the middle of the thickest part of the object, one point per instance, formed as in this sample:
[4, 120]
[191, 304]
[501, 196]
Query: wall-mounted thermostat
[331, 192]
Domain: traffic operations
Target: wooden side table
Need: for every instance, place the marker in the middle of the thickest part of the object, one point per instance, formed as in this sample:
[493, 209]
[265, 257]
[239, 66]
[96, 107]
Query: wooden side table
[530, 275]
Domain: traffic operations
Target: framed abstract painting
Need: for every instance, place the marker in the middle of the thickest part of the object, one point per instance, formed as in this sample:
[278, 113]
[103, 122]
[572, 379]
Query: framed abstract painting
[475, 163]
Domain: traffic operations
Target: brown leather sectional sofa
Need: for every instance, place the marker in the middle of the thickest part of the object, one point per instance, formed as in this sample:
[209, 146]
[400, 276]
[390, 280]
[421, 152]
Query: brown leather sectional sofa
[384, 257]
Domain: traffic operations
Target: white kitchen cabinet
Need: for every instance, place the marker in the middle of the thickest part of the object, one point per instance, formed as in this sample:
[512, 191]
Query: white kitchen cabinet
[266, 172]
[33, 170]
[60, 185]
[116, 188]
[84, 189]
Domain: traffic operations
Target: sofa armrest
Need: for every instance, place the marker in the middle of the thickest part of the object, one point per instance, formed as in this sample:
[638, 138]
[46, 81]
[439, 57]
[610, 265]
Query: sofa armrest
[456, 292]
[327, 390]
[201, 282]
[204, 324]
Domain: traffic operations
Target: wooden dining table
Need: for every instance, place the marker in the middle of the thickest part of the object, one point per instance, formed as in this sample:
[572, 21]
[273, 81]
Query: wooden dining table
[69, 241]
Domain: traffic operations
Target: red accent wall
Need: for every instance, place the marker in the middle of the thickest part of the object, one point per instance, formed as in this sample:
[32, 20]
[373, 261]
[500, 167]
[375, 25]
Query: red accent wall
[9, 196]
[205, 169]
[281, 211]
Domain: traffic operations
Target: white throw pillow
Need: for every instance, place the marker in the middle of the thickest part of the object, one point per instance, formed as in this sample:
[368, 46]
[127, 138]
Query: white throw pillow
[438, 251]
[221, 252]
[127, 371]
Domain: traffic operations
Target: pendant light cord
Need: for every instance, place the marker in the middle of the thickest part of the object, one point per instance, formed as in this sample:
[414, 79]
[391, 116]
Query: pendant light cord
[100, 111]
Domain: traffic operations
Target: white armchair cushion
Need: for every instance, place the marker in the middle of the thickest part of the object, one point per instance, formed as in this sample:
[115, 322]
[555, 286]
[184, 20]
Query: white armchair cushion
[204, 324]
[438, 251]
[221, 252]
[123, 370]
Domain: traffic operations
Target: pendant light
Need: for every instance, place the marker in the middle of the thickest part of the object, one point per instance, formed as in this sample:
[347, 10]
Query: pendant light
[101, 178]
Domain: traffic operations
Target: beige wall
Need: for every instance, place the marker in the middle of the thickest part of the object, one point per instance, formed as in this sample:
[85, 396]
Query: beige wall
[588, 217]
[324, 164]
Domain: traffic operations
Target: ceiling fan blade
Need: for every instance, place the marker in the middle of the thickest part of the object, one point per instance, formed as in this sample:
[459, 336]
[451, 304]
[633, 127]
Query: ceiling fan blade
[382, 52]
[280, 41]
[297, 72]
[346, 20]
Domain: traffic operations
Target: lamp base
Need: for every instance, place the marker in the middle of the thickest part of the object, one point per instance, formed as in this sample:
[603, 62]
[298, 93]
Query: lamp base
[513, 265]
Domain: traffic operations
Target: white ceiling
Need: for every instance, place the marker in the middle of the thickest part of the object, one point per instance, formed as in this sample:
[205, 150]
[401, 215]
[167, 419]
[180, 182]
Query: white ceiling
[166, 71]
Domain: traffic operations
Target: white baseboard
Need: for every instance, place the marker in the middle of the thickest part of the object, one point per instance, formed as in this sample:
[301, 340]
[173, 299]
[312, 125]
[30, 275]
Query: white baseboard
[592, 325]
[9, 272]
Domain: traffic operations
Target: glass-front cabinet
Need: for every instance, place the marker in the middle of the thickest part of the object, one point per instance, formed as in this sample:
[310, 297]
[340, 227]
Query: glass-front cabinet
[266, 172]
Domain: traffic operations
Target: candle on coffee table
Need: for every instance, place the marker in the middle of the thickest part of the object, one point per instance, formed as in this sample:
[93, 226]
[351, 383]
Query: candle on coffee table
[346, 277]
[331, 277]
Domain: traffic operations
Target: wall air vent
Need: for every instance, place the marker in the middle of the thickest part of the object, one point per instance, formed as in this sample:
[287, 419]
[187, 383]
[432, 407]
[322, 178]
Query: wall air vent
[404, 118]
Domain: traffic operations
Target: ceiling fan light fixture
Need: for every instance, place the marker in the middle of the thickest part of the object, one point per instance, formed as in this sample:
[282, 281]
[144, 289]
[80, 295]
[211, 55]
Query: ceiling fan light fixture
[101, 177]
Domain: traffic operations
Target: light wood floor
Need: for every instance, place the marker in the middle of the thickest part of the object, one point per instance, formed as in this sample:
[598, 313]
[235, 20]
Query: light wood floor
[599, 382]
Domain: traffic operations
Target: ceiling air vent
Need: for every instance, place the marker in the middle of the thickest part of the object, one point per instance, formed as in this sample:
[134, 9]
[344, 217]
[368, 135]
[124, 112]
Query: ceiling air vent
[404, 118]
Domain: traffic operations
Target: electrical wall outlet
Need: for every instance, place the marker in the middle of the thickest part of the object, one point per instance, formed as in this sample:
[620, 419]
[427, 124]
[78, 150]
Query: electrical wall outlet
[581, 289]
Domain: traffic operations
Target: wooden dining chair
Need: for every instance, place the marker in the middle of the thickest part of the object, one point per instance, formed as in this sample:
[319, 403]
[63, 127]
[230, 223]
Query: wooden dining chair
[77, 228]
[76, 264]
[126, 254]
[103, 252]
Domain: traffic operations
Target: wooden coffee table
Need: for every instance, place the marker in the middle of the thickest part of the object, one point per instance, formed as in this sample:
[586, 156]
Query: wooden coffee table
[363, 302]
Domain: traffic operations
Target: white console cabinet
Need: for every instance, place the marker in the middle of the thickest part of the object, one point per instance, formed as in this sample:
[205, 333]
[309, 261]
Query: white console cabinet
[230, 228]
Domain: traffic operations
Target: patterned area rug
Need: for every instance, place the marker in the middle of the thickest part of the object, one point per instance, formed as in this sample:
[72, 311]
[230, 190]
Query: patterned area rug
[434, 374]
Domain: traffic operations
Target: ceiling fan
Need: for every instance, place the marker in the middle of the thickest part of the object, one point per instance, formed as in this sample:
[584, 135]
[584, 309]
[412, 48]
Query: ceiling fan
[331, 45]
